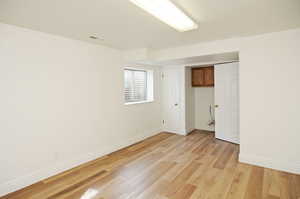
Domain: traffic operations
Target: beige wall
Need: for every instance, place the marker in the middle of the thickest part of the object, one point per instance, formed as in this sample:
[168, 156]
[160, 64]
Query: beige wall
[269, 100]
[62, 104]
[204, 97]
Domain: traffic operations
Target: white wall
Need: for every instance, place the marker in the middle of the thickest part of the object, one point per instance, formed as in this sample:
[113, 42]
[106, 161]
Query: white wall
[269, 100]
[61, 105]
[204, 97]
[269, 94]
[189, 101]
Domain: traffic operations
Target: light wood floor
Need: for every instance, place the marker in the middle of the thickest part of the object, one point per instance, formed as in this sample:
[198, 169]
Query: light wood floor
[168, 166]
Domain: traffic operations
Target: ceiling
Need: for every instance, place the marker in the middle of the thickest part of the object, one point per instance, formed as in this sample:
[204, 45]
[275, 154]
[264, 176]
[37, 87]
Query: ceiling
[122, 25]
[198, 60]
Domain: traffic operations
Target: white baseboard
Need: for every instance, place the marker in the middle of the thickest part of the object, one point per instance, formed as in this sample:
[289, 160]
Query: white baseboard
[179, 132]
[236, 141]
[205, 128]
[281, 165]
[26, 180]
[212, 131]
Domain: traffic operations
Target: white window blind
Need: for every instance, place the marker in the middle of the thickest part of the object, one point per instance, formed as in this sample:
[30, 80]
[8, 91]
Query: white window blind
[135, 85]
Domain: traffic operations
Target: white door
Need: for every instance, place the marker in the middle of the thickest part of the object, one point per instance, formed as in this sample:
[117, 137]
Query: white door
[227, 102]
[171, 91]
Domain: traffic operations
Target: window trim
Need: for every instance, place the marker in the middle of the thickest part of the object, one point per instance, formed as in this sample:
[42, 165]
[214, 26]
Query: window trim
[149, 86]
[139, 102]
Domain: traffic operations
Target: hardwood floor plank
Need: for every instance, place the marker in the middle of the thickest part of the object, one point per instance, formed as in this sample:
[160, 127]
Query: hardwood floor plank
[239, 185]
[206, 183]
[275, 183]
[292, 187]
[167, 166]
[185, 192]
[267, 184]
[286, 188]
[95, 187]
[139, 183]
[204, 144]
[181, 179]
[222, 185]
[254, 188]
[296, 184]
[74, 170]
[222, 161]
[77, 185]
[152, 176]
[155, 191]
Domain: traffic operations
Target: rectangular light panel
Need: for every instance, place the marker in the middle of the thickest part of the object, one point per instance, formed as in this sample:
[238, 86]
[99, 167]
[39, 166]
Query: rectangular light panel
[167, 12]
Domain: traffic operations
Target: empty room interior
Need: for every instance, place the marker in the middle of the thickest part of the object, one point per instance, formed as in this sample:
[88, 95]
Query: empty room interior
[150, 99]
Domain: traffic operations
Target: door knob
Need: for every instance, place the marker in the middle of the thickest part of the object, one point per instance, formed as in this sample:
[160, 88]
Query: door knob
[216, 106]
[176, 104]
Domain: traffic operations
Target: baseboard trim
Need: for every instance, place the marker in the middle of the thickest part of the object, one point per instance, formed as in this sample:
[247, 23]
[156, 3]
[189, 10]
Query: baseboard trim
[228, 140]
[44, 173]
[204, 130]
[281, 165]
[181, 132]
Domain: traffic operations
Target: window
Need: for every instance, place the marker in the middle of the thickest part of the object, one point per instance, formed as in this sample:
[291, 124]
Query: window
[137, 86]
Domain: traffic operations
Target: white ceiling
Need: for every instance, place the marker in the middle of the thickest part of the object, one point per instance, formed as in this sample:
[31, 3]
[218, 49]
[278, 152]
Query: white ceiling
[123, 25]
[198, 60]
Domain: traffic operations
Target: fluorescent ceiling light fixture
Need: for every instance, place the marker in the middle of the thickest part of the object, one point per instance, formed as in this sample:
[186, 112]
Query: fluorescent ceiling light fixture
[167, 12]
